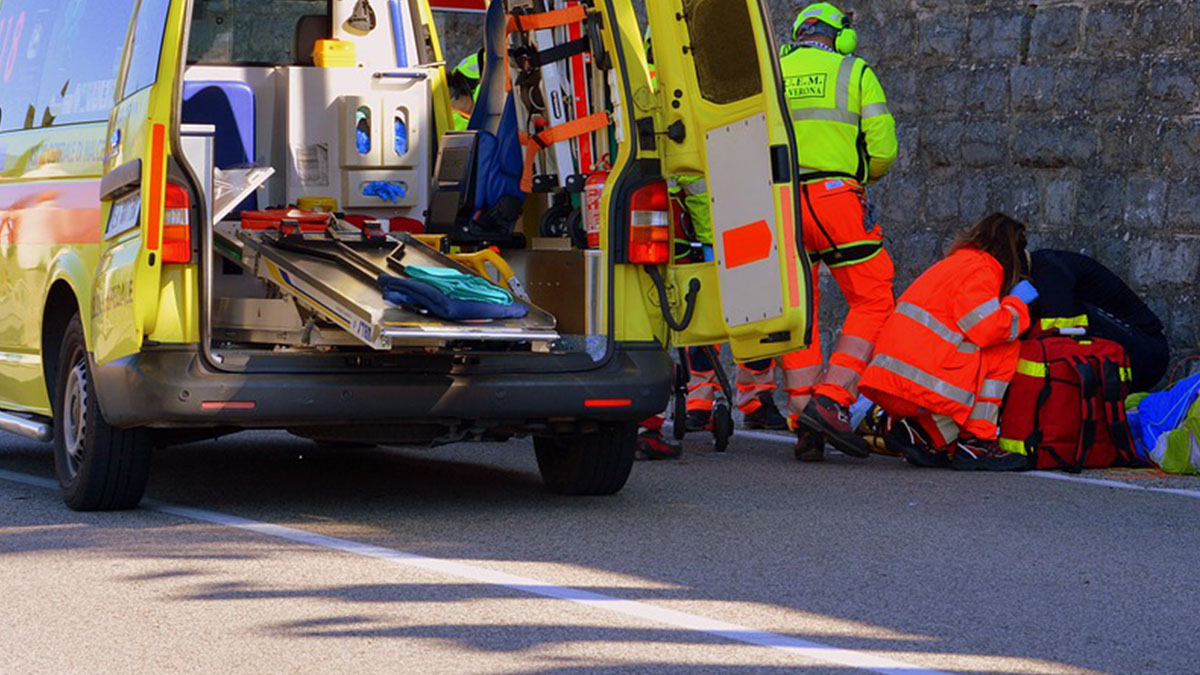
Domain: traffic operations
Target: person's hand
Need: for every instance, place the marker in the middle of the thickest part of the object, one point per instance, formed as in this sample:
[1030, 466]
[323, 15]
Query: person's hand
[1026, 292]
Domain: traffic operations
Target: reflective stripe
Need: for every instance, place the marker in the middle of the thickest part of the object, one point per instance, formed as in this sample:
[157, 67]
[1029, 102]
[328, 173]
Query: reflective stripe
[924, 379]
[845, 73]
[929, 321]
[875, 110]
[802, 378]
[1010, 445]
[947, 427]
[854, 347]
[824, 114]
[1065, 322]
[967, 347]
[842, 376]
[988, 412]
[973, 317]
[1015, 331]
[692, 189]
[1031, 368]
[1127, 374]
[993, 389]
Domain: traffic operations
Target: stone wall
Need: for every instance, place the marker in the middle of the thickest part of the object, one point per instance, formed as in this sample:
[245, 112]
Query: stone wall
[1080, 118]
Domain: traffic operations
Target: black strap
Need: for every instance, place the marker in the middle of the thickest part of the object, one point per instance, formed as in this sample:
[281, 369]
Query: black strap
[1115, 391]
[1089, 390]
[813, 213]
[826, 175]
[847, 255]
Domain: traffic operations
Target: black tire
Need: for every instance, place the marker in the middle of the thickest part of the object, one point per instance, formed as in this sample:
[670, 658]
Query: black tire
[555, 221]
[588, 464]
[576, 227]
[99, 467]
[722, 427]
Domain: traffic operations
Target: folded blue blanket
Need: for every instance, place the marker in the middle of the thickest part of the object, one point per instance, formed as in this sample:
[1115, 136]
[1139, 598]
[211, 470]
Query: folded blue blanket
[418, 294]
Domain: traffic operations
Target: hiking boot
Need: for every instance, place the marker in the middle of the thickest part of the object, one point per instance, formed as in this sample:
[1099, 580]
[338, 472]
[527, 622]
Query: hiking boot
[653, 445]
[766, 415]
[810, 446]
[973, 454]
[909, 440]
[697, 420]
[826, 416]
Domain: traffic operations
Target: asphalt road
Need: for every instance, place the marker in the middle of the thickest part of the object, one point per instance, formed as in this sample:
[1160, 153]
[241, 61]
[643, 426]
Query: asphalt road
[265, 553]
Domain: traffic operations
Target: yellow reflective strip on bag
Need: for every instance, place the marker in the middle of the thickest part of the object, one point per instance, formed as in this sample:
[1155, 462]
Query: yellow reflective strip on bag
[1031, 368]
[1067, 322]
[1015, 447]
[1127, 374]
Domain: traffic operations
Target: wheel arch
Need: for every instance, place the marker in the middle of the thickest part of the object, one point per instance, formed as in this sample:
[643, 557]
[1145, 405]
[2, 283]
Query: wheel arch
[61, 304]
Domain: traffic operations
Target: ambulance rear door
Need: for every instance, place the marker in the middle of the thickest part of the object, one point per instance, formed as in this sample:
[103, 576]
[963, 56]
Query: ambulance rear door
[134, 191]
[723, 116]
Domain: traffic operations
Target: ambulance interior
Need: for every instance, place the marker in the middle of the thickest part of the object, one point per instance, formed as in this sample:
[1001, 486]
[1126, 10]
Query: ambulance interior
[264, 127]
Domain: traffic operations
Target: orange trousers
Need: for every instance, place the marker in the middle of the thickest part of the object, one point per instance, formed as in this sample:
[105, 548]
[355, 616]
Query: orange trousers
[834, 221]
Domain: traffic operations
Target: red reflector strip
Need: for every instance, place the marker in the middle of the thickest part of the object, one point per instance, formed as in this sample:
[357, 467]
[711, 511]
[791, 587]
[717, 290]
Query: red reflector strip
[608, 403]
[154, 207]
[228, 405]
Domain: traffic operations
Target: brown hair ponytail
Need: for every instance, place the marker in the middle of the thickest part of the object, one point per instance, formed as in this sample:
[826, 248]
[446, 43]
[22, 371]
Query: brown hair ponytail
[1001, 237]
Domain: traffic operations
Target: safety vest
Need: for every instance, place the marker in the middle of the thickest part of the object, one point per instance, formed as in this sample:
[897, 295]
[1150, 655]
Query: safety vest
[929, 350]
[840, 113]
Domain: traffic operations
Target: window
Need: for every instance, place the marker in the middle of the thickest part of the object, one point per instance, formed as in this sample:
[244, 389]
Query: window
[250, 32]
[59, 60]
[147, 45]
[725, 51]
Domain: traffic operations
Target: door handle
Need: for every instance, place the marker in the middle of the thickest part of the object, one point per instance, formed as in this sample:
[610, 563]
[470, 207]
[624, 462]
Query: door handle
[121, 180]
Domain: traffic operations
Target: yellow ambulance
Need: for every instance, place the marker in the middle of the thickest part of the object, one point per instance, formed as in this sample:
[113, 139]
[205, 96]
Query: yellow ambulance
[140, 307]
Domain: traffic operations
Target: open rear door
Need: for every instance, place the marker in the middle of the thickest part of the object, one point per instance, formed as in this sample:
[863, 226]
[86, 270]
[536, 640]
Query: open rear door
[134, 189]
[721, 98]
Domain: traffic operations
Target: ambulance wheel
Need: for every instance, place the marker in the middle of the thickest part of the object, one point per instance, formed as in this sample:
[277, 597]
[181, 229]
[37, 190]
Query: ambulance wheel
[722, 427]
[575, 227]
[587, 464]
[556, 221]
[99, 467]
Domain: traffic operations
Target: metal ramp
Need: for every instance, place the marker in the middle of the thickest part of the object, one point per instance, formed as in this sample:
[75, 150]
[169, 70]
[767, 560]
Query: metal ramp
[333, 274]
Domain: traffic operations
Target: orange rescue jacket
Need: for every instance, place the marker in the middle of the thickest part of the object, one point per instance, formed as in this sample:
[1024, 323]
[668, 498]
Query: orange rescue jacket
[929, 350]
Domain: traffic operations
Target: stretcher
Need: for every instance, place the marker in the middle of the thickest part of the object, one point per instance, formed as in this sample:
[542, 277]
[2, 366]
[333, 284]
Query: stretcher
[332, 273]
[722, 412]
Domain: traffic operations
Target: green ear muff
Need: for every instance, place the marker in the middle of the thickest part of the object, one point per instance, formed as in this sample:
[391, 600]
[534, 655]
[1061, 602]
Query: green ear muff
[847, 41]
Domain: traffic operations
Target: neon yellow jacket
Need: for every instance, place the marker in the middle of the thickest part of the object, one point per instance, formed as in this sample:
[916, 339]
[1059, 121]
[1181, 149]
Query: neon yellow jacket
[840, 113]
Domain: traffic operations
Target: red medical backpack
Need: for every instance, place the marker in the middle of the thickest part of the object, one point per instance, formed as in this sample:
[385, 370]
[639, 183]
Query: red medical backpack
[1066, 404]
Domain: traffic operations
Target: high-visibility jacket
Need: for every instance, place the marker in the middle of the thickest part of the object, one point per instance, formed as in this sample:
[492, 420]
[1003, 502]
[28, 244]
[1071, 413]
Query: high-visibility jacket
[928, 352]
[840, 113]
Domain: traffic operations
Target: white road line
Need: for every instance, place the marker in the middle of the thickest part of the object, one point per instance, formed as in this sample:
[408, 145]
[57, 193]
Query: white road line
[806, 649]
[1052, 475]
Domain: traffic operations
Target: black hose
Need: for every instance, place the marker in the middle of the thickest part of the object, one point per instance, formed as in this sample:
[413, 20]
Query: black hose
[689, 301]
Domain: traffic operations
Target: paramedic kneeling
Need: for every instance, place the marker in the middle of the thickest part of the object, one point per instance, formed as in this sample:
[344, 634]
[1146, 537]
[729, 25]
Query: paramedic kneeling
[946, 355]
[1077, 287]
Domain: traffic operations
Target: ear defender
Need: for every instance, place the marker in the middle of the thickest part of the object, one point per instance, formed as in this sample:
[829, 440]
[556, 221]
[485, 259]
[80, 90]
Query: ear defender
[847, 41]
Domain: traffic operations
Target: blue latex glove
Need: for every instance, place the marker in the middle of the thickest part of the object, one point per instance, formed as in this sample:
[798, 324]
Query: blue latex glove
[1025, 291]
[362, 141]
[388, 192]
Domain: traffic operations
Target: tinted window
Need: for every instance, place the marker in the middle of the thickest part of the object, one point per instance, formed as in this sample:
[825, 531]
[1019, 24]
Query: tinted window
[725, 51]
[228, 32]
[59, 60]
[147, 45]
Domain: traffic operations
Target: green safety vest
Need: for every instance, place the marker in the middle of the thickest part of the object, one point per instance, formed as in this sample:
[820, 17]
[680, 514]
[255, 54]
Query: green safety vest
[840, 113]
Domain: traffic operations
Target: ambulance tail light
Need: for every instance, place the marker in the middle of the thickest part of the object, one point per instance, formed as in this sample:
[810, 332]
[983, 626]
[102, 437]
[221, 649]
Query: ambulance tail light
[650, 225]
[177, 226]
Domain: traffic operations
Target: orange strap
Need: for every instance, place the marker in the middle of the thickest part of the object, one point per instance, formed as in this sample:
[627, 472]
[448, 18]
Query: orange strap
[552, 19]
[563, 132]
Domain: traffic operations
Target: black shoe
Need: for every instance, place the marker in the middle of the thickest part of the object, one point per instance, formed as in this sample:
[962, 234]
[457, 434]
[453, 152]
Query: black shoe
[810, 446]
[697, 420]
[653, 445]
[827, 416]
[910, 440]
[766, 415]
[973, 454]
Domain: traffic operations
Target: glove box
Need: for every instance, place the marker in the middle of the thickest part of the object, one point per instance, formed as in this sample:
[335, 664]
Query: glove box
[362, 188]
